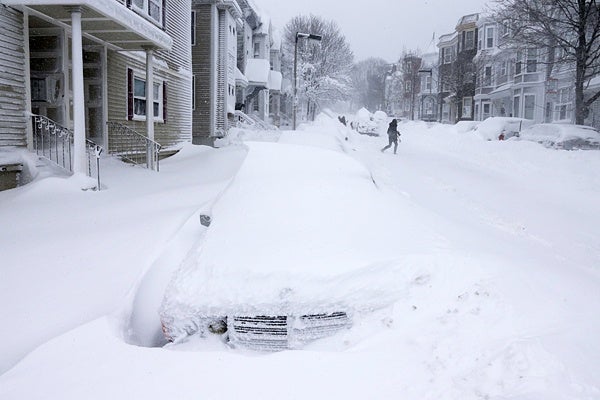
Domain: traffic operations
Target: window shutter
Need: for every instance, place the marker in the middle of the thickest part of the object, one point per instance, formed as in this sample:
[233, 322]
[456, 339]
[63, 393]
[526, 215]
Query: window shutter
[165, 101]
[129, 94]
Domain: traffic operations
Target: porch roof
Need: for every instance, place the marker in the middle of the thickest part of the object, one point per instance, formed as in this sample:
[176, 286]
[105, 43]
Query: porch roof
[275, 81]
[257, 72]
[107, 21]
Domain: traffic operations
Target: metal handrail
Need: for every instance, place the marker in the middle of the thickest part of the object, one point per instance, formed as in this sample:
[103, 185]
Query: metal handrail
[252, 122]
[133, 146]
[54, 142]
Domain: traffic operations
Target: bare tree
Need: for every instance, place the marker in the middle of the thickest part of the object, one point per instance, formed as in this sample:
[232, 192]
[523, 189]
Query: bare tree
[368, 78]
[568, 31]
[323, 67]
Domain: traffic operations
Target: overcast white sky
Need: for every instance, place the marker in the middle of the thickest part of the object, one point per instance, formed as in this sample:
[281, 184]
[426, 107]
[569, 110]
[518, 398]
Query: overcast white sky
[379, 28]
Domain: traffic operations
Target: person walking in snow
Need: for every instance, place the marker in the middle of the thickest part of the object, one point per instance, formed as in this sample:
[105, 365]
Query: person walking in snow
[393, 136]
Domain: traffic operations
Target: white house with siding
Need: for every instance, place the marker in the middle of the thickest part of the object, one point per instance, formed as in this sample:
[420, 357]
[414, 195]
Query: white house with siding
[89, 65]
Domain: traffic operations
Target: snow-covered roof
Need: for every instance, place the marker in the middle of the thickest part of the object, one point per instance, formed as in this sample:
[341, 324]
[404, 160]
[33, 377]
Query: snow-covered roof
[446, 39]
[240, 78]
[119, 22]
[257, 71]
[275, 78]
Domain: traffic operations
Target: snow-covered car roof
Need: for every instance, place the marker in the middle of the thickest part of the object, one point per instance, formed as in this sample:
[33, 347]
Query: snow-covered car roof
[557, 133]
[491, 128]
[298, 230]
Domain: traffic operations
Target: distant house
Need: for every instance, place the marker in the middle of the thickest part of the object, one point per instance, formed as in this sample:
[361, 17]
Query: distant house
[524, 82]
[428, 95]
[457, 70]
[275, 81]
[90, 66]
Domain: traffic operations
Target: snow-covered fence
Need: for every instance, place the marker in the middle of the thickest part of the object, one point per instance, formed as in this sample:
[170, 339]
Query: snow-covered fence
[54, 142]
[133, 146]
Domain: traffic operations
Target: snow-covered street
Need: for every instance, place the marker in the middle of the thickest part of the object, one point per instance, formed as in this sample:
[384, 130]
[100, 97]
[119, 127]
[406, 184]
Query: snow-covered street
[500, 303]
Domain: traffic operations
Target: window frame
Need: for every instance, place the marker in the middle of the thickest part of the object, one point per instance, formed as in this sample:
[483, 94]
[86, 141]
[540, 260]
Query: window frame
[144, 10]
[467, 104]
[489, 37]
[469, 44]
[159, 98]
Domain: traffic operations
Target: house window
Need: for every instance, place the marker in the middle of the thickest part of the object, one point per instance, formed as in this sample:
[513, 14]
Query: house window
[518, 63]
[531, 60]
[151, 8]
[529, 106]
[470, 40]
[193, 28]
[256, 50]
[503, 68]
[428, 106]
[428, 83]
[407, 86]
[447, 55]
[487, 76]
[489, 37]
[486, 111]
[516, 105]
[467, 104]
[563, 107]
[140, 100]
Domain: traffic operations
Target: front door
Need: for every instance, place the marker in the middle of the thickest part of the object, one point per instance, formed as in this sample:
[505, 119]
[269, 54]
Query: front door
[93, 91]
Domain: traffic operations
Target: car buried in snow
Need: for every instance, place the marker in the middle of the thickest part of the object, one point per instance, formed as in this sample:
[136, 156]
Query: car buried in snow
[285, 259]
[563, 136]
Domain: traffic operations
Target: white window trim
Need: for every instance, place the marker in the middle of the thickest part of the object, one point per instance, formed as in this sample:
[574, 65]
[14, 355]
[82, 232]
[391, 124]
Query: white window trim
[145, 11]
[467, 104]
[157, 118]
[560, 103]
[487, 37]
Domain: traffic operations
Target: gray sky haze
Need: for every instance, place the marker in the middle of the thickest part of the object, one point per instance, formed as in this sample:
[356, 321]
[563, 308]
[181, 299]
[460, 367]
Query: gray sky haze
[379, 28]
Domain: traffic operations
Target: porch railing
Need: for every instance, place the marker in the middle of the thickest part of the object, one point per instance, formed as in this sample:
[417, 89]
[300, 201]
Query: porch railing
[252, 122]
[54, 142]
[133, 146]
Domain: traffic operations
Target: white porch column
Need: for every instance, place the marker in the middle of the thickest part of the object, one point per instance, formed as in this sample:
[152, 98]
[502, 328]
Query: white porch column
[79, 158]
[150, 92]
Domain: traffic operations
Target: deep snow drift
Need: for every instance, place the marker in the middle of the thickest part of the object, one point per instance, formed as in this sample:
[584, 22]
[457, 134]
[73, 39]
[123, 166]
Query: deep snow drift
[501, 303]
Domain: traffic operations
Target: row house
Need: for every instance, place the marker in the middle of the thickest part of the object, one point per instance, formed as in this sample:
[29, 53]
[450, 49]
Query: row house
[427, 96]
[516, 82]
[402, 86]
[393, 89]
[259, 77]
[456, 83]
[100, 69]
[214, 34]
[525, 82]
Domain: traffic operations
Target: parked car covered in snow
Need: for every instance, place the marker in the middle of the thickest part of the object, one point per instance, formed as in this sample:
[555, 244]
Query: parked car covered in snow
[501, 128]
[277, 268]
[563, 136]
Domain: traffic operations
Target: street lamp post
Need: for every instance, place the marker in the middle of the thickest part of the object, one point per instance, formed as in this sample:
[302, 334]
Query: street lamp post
[295, 99]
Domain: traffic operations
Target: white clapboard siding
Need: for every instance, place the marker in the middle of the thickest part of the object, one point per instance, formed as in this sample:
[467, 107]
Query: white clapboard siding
[12, 79]
[172, 67]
